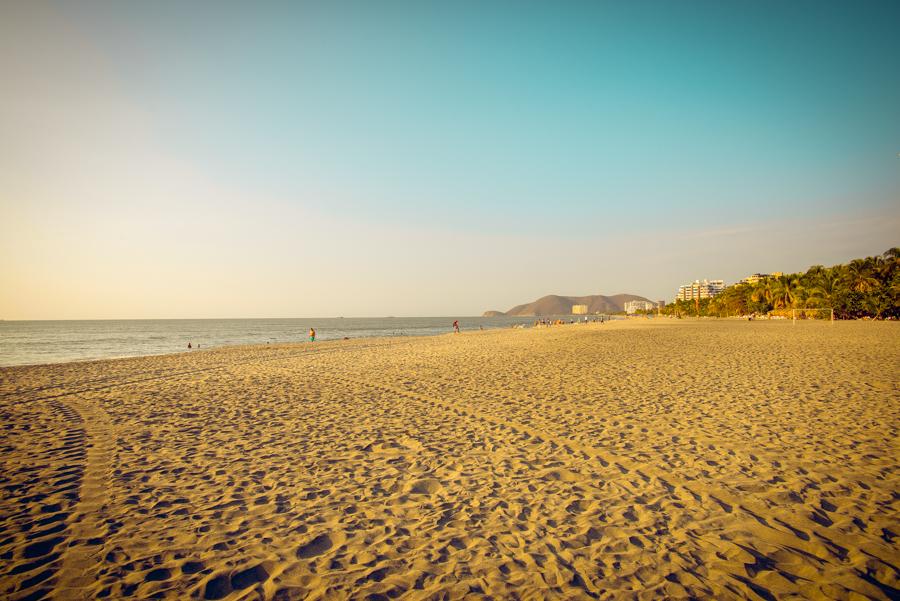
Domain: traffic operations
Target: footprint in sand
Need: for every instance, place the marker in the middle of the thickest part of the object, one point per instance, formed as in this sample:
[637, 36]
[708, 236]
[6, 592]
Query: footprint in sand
[223, 585]
[316, 546]
[426, 486]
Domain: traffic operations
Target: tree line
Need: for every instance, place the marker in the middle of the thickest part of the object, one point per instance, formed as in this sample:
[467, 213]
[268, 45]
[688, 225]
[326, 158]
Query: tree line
[862, 288]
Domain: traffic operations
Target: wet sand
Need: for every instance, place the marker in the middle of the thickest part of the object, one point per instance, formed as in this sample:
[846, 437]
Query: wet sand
[660, 459]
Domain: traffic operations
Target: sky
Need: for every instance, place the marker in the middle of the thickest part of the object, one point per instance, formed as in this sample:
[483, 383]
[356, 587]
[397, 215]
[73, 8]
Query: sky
[287, 159]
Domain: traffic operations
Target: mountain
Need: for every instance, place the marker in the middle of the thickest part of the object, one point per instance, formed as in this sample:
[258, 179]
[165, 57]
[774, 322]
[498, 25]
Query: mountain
[554, 304]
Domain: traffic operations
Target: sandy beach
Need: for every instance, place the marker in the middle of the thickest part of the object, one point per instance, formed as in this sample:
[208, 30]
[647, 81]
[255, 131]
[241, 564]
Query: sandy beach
[639, 459]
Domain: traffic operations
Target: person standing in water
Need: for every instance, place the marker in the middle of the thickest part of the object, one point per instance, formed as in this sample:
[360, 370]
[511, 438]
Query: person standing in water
[456, 326]
[312, 335]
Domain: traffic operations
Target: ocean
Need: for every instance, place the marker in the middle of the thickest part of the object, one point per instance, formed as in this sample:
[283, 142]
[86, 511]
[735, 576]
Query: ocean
[36, 342]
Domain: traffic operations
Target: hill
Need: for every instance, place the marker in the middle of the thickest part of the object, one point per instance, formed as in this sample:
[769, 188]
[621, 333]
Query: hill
[554, 304]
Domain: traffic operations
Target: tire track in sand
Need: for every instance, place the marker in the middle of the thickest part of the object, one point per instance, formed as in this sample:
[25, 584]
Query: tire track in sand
[87, 528]
[52, 527]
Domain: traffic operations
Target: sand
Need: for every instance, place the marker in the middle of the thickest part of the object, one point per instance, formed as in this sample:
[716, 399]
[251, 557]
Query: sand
[660, 459]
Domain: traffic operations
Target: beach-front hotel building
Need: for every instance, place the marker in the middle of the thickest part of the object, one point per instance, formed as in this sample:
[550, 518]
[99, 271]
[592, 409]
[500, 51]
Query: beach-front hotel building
[700, 289]
[758, 277]
[632, 307]
[579, 309]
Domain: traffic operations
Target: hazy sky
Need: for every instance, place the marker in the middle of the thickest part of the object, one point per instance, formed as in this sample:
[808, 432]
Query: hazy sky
[190, 159]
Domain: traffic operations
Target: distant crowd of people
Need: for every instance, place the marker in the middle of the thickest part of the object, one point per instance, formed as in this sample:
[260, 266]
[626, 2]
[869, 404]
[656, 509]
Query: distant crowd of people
[543, 323]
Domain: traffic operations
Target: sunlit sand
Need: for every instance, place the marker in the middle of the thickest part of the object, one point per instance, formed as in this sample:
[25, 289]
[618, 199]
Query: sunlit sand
[642, 459]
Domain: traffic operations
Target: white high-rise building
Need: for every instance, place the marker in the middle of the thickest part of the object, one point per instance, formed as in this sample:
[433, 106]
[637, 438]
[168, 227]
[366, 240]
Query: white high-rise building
[700, 289]
[632, 307]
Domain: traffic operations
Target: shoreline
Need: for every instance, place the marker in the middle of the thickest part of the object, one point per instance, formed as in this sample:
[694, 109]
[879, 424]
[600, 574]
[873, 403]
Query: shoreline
[301, 343]
[253, 344]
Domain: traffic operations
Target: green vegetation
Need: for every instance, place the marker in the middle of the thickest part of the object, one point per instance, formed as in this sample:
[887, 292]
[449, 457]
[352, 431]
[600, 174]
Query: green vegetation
[863, 288]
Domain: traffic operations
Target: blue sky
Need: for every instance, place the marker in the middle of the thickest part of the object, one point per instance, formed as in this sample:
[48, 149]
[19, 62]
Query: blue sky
[292, 159]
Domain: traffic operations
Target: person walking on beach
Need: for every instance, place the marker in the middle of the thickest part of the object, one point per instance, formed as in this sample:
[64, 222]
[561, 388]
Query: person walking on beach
[312, 335]
[456, 326]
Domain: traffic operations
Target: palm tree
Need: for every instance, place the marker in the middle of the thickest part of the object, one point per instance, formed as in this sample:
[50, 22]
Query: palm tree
[859, 276]
[785, 289]
[763, 292]
[814, 271]
[893, 289]
[828, 286]
[887, 264]
[801, 293]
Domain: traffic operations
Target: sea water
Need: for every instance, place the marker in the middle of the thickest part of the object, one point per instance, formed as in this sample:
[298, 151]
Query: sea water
[34, 342]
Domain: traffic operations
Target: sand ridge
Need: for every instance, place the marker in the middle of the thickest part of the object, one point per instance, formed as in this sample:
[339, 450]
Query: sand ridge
[631, 460]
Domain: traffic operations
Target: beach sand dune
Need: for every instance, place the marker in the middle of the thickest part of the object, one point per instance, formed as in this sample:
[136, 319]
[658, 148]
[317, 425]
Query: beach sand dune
[640, 459]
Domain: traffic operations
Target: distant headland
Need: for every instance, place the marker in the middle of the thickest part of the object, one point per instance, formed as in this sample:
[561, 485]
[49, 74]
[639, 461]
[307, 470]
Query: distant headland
[554, 304]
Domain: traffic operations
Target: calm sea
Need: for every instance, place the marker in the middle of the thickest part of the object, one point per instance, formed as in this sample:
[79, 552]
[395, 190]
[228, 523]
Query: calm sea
[31, 342]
